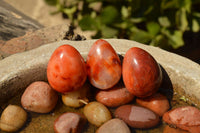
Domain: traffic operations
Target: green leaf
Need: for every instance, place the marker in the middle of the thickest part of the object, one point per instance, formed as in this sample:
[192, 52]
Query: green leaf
[158, 40]
[70, 11]
[150, 8]
[122, 25]
[196, 14]
[124, 12]
[166, 4]
[161, 41]
[137, 20]
[176, 4]
[175, 38]
[195, 25]
[185, 4]
[98, 23]
[90, 1]
[88, 23]
[140, 35]
[52, 2]
[108, 32]
[153, 28]
[109, 15]
[164, 21]
[183, 98]
[181, 19]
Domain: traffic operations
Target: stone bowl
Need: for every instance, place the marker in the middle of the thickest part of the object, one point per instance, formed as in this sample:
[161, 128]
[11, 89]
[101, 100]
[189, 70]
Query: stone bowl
[181, 77]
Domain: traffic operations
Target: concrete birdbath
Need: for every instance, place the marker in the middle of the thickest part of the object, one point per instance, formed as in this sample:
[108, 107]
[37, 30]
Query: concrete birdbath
[181, 77]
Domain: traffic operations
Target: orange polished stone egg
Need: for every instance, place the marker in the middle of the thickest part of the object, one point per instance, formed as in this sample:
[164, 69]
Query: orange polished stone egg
[141, 73]
[103, 65]
[66, 70]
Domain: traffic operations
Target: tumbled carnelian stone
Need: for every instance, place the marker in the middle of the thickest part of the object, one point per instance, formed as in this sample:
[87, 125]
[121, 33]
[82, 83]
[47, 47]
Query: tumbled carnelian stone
[66, 70]
[103, 65]
[141, 73]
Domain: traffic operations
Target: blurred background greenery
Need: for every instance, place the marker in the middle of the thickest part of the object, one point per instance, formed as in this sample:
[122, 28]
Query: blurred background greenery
[161, 23]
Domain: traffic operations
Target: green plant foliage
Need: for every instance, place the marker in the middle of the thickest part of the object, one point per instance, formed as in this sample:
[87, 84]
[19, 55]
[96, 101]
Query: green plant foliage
[109, 32]
[88, 23]
[153, 28]
[195, 25]
[181, 19]
[109, 15]
[174, 38]
[160, 23]
[51, 2]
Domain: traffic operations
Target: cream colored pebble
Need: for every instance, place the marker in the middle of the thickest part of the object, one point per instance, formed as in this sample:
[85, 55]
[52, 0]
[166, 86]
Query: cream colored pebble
[13, 118]
[97, 113]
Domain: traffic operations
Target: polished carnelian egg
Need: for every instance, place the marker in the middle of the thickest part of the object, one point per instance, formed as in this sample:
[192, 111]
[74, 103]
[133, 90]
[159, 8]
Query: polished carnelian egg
[141, 73]
[66, 70]
[103, 65]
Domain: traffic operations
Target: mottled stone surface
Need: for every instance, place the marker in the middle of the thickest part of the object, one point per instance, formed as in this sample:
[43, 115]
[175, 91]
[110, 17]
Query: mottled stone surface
[37, 38]
[19, 70]
[14, 23]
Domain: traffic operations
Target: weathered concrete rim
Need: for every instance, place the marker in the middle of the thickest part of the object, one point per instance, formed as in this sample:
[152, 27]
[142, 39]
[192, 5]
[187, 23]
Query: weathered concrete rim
[19, 70]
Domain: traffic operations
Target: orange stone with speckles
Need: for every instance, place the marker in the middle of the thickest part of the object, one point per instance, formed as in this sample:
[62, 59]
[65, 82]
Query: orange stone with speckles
[185, 117]
[66, 70]
[103, 65]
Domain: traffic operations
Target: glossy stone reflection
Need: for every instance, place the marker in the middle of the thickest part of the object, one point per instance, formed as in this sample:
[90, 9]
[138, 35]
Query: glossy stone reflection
[103, 65]
[66, 70]
[115, 96]
[157, 102]
[142, 75]
[137, 117]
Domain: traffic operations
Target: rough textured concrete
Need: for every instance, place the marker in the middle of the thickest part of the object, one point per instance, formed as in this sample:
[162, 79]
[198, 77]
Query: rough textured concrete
[40, 11]
[19, 70]
[37, 38]
[14, 23]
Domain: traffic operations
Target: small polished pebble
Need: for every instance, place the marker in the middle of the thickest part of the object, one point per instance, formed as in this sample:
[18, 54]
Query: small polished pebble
[114, 126]
[185, 117]
[39, 97]
[12, 118]
[137, 117]
[158, 103]
[115, 96]
[69, 122]
[97, 113]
